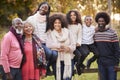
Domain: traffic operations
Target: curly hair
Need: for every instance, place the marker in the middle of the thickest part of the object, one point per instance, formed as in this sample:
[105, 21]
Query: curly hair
[59, 16]
[102, 15]
[78, 17]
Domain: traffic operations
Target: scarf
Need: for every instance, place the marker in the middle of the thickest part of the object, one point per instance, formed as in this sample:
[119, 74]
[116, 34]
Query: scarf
[40, 18]
[37, 45]
[62, 56]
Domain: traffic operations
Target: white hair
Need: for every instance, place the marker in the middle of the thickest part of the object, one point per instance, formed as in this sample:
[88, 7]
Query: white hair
[16, 20]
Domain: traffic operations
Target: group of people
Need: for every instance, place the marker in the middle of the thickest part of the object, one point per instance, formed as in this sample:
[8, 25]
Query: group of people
[66, 42]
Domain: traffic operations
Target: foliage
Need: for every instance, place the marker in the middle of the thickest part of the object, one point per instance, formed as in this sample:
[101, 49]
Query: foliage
[10, 9]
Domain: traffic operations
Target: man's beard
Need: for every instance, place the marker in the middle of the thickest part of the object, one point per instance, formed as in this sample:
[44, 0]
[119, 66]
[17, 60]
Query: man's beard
[19, 31]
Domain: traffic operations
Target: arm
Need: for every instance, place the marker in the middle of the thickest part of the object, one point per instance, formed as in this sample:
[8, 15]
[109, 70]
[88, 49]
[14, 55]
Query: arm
[51, 42]
[5, 49]
[79, 35]
[72, 45]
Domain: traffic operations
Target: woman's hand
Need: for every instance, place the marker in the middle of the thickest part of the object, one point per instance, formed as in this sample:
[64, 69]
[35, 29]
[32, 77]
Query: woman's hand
[65, 48]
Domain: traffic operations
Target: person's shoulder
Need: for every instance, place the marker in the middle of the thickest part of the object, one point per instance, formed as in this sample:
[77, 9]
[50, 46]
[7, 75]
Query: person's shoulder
[7, 36]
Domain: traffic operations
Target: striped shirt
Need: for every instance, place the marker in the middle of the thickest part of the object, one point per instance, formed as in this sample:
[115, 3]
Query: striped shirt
[108, 46]
[106, 36]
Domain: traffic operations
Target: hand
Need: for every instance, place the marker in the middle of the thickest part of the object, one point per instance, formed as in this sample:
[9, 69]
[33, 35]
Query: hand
[77, 44]
[66, 49]
[9, 76]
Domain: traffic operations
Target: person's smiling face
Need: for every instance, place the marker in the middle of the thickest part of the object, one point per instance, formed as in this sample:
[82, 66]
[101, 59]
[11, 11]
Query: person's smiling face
[43, 9]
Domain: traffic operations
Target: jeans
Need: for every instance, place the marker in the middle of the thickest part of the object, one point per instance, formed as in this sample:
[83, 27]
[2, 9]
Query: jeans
[51, 57]
[86, 49]
[50, 54]
[15, 72]
[2, 73]
[107, 72]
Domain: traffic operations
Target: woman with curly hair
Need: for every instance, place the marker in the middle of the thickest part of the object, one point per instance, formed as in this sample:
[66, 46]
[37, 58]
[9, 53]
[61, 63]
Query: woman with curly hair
[74, 21]
[108, 47]
[61, 40]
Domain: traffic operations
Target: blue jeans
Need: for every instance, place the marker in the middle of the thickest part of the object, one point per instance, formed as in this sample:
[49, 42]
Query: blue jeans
[107, 72]
[51, 57]
[2, 73]
[50, 54]
[15, 72]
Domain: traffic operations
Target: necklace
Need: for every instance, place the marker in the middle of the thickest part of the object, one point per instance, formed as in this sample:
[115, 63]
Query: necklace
[28, 39]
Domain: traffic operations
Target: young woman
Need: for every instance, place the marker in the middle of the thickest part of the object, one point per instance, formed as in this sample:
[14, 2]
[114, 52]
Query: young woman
[30, 68]
[41, 20]
[61, 40]
[74, 21]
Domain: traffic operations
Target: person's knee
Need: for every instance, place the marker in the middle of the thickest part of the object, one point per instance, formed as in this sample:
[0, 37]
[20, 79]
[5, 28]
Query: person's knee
[54, 55]
[48, 52]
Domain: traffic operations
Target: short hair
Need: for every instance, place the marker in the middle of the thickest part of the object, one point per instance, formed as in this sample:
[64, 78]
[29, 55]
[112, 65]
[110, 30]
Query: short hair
[59, 16]
[78, 17]
[16, 20]
[88, 16]
[102, 15]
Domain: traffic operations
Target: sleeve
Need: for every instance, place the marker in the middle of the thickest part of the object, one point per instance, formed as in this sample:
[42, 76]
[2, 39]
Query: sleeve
[116, 51]
[5, 49]
[116, 47]
[79, 35]
[51, 42]
[72, 45]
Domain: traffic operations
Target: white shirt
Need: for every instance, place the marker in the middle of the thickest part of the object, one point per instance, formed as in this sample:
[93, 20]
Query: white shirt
[87, 34]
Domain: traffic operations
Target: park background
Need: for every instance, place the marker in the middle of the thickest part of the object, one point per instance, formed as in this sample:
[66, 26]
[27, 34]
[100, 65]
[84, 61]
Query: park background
[10, 9]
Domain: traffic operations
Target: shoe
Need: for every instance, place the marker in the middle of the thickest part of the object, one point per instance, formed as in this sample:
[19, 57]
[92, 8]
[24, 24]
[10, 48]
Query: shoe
[49, 72]
[79, 71]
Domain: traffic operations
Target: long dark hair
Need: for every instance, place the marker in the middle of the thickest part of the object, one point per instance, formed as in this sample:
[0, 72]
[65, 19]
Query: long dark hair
[47, 14]
[78, 17]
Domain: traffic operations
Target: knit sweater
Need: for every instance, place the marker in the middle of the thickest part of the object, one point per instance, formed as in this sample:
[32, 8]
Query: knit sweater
[76, 30]
[39, 23]
[11, 55]
[108, 47]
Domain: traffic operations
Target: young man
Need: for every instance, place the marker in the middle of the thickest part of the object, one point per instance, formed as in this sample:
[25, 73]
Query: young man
[107, 44]
[12, 52]
[88, 41]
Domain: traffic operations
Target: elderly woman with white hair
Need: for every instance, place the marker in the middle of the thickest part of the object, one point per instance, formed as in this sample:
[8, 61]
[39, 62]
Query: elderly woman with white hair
[12, 51]
[32, 46]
